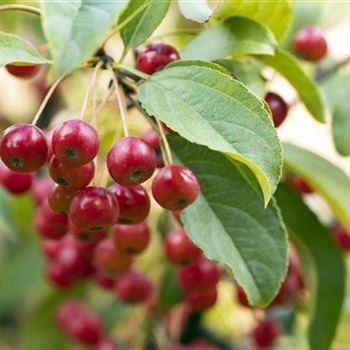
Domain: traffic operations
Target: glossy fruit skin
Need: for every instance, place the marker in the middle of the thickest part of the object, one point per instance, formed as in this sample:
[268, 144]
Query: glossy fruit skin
[131, 161]
[298, 184]
[341, 236]
[134, 203]
[23, 148]
[278, 107]
[132, 239]
[180, 250]
[104, 280]
[152, 138]
[75, 143]
[175, 187]
[200, 277]
[86, 237]
[310, 44]
[110, 259]
[203, 300]
[49, 248]
[60, 199]
[241, 296]
[57, 276]
[155, 57]
[94, 209]
[133, 287]
[24, 72]
[41, 188]
[266, 333]
[14, 182]
[71, 179]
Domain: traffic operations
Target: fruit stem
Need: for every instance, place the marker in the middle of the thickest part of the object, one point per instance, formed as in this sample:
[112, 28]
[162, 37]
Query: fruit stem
[127, 69]
[164, 142]
[18, 7]
[119, 101]
[88, 89]
[46, 100]
[323, 74]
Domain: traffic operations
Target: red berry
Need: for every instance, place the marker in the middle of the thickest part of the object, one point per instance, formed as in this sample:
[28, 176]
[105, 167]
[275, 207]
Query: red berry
[203, 300]
[60, 199]
[14, 182]
[41, 188]
[71, 179]
[75, 143]
[106, 344]
[132, 239]
[177, 216]
[67, 312]
[175, 187]
[341, 236]
[86, 328]
[298, 184]
[134, 203]
[180, 250]
[57, 276]
[266, 333]
[23, 148]
[131, 161]
[25, 72]
[198, 278]
[104, 280]
[110, 259]
[133, 287]
[310, 43]
[86, 237]
[155, 57]
[152, 138]
[94, 209]
[278, 107]
[49, 248]
[242, 296]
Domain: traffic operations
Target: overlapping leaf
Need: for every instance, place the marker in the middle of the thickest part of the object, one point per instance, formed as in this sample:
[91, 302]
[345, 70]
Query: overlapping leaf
[197, 11]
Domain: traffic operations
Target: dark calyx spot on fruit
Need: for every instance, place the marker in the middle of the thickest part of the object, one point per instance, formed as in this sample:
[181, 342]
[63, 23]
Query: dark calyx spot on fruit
[71, 153]
[130, 250]
[62, 182]
[17, 162]
[137, 174]
[180, 203]
[96, 228]
[124, 220]
[83, 236]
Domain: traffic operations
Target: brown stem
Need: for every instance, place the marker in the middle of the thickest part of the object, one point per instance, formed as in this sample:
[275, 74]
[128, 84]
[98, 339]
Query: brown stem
[326, 73]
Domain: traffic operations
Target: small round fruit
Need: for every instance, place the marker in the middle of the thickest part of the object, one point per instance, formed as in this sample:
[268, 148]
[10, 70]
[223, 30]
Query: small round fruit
[49, 248]
[23, 148]
[71, 179]
[203, 300]
[180, 250]
[14, 182]
[298, 184]
[278, 107]
[106, 344]
[41, 188]
[94, 209]
[133, 287]
[266, 333]
[67, 312]
[86, 237]
[104, 280]
[75, 143]
[175, 187]
[110, 259]
[23, 71]
[152, 138]
[86, 329]
[241, 296]
[341, 236]
[131, 161]
[134, 203]
[60, 199]
[310, 44]
[57, 276]
[132, 239]
[155, 57]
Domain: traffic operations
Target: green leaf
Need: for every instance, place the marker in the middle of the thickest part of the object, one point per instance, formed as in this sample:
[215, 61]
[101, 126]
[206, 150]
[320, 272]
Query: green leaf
[337, 91]
[248, 72]
[14, 49]
[76, 29]
[211, 108]
[327, 291]
[307, 89]
[197, 11]
[276, 15]
[234, 36]
[229, 222]
[327, 179]
[143, 24]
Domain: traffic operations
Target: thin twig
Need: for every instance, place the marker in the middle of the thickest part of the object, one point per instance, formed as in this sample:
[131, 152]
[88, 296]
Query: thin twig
[326, 73]
[165, 142]
[46, 100]
[18, 7]
[119, 101]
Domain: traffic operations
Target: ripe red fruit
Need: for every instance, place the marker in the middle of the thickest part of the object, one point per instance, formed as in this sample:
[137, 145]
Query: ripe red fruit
[23, 148]
[152, 138]
[180, 250]
[177, 216]
[175, 187]
[25, 72]
[341, 236]
[310, 43]
[106, 344]
[134, 203]
[75, 143]
[266, 333]
[71, 179]
[278, 107]
[155, 57]
[41, 188]
[132, 239]
[298, 184]
[60, 199]
[14, 182]
[57, 276]
[67, 311]
[86, 328]
[241, 296]
[133, 287]
[49, 248]
[200, 277]
[94, 209]
[203, 300]
[131, 161]
[104, 280]
[86, 237]
[110, 259]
